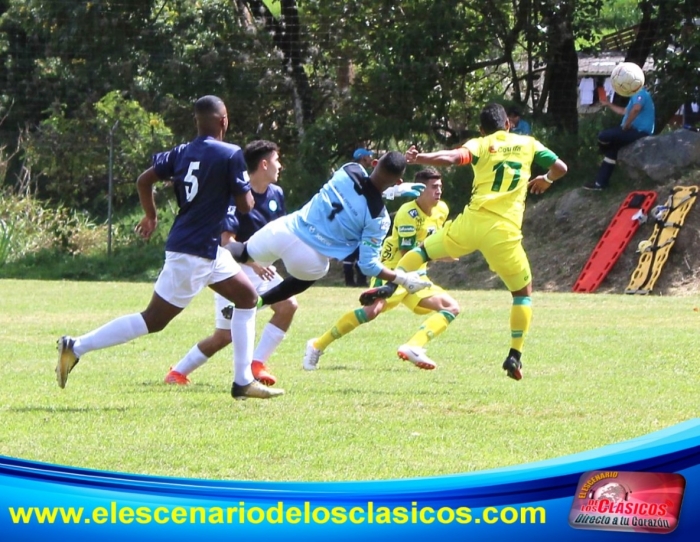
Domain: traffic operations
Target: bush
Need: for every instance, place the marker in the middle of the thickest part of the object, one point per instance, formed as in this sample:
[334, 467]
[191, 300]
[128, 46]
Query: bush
[27, 227]
[70, 155]
[43, 242]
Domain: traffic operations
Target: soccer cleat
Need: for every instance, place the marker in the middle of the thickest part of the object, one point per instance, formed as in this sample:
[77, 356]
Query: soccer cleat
[381, 292]
[173, 377]
[66, 359]
[311, 356]
[254, 390]
[594, 186]
[417, 356]
[513, 368]
[261, 374]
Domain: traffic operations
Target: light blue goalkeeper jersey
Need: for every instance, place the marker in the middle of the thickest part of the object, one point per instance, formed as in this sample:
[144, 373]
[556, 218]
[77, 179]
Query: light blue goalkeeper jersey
[346, 213]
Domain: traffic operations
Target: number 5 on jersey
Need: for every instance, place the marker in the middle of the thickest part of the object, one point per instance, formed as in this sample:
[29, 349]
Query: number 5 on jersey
[191, 183]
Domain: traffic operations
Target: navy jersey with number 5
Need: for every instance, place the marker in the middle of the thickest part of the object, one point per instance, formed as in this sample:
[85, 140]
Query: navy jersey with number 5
[268, 207]
[206, 174]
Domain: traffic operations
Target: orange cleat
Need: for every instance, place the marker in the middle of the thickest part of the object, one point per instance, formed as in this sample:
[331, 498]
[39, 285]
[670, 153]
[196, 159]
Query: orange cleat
[262, 375]
[173, 377]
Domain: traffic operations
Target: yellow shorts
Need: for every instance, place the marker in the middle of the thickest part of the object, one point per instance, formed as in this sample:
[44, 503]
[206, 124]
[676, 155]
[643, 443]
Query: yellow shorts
[410, 301]
[499, 241]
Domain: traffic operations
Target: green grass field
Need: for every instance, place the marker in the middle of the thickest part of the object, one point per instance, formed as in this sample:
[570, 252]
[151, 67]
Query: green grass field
[599, 369]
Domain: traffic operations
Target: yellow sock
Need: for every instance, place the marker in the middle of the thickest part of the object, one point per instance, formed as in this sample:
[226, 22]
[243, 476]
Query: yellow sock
[412, 260]
[520, 318]
[348, 322]
[431, 328]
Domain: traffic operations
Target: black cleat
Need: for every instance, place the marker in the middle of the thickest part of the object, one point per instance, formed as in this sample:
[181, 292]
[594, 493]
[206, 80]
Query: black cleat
[381, 292]
[513, 368]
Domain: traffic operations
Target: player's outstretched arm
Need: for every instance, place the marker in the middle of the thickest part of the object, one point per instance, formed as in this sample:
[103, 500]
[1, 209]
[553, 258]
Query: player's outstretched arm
[447, 157]
[412, 281]
[408, 190]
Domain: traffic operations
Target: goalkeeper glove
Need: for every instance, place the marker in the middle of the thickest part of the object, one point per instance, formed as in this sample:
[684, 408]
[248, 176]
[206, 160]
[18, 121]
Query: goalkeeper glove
[412, 282]
[409, 190]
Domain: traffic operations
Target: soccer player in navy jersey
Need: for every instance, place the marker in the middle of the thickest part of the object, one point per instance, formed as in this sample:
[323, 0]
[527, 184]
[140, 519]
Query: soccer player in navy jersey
[347, 212]
[206, 173]
[262, 159]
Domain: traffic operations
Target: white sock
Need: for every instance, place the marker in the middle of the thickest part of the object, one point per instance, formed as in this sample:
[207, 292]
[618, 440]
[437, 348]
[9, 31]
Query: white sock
[117, 331]
[192, 361]
[271, 338]
[243, 336]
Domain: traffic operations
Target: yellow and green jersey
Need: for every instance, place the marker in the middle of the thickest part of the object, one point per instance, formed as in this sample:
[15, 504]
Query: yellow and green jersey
[502, 163]
[411, 227]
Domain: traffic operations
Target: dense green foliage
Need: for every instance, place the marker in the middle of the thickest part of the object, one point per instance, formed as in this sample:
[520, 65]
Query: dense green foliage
[319, 77]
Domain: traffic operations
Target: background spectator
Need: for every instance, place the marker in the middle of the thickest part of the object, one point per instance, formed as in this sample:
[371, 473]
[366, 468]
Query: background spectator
[637, 122]
[363, 157]
[518, 125]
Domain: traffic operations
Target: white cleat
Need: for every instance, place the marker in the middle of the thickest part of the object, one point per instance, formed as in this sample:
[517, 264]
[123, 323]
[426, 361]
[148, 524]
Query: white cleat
[417, 356]
[311, 356]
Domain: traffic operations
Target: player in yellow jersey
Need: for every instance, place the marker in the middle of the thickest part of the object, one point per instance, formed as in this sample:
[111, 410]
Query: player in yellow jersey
[413, 223]
[491, 222]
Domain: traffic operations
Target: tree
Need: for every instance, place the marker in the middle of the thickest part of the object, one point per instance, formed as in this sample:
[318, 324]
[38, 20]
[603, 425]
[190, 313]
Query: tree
[69, 156]
[669, 33]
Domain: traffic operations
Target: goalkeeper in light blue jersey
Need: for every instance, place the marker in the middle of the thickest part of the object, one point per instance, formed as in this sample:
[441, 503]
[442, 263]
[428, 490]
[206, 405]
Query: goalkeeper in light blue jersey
[347, 212]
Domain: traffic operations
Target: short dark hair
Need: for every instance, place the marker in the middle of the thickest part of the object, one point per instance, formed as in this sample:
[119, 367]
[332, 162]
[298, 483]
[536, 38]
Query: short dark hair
[427, 174]
[208, 105]
[493, 118]
[393, 162]
[256, 151]
[514, 111]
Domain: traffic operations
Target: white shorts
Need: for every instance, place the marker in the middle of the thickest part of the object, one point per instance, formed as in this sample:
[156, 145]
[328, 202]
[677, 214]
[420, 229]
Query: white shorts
[184, 276]
[261, 286]
[275, 242]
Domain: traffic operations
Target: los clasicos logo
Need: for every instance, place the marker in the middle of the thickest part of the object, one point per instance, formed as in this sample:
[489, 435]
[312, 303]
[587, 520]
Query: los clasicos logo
[641, 502]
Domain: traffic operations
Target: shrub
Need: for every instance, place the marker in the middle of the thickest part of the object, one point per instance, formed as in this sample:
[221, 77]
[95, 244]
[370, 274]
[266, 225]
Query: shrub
[26, 227]
[71, 154]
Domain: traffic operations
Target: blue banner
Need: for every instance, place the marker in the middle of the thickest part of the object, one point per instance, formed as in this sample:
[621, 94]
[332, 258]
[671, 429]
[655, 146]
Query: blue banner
[530, 502]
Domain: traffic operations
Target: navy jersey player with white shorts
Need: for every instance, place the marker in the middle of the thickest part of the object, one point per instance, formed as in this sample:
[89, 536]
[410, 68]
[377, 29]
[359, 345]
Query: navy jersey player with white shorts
[262, 160]
[206, 174]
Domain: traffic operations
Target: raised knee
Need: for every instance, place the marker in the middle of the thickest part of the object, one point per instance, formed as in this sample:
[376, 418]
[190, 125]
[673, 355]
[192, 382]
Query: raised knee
[291, 305]
[287, 307]
[247, 299]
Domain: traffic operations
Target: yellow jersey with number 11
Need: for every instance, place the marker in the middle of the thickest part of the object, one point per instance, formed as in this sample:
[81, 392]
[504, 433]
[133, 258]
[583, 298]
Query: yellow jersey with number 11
[502, 165]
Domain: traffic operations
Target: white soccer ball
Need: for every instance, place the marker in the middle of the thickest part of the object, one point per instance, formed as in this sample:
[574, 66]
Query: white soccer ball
[627, 78]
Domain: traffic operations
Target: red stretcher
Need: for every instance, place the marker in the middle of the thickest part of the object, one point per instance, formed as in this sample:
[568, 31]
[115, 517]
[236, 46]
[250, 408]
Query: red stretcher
[632, 212]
